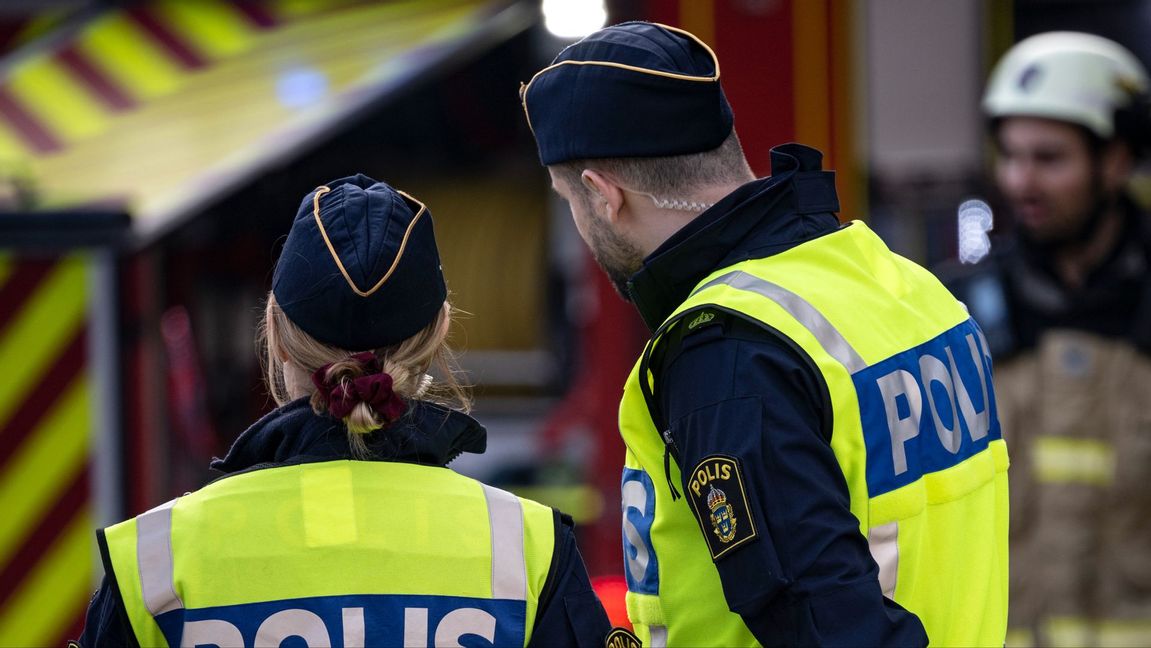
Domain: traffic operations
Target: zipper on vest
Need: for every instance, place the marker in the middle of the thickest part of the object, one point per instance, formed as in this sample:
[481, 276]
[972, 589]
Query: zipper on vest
[668, 446]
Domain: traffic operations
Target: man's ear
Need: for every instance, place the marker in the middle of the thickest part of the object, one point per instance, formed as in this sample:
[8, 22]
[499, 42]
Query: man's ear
[608, 191]
[1117, 165]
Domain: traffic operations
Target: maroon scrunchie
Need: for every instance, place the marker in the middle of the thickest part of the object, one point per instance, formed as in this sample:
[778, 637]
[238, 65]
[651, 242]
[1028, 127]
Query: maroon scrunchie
[374, 388]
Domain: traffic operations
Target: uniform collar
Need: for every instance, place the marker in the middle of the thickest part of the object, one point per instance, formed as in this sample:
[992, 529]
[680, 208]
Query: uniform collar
[763, 217]
[427, 434]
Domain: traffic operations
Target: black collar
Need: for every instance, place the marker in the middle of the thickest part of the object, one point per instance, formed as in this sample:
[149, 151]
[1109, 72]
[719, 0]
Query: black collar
[1126, 260]
[763, 217]
[427, 434]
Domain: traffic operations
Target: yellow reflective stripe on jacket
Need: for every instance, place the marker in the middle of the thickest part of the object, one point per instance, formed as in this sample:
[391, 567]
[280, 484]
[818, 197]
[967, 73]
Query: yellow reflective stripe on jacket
[1060, 460]
[1074, 632]
[881, 331]
[408, 541]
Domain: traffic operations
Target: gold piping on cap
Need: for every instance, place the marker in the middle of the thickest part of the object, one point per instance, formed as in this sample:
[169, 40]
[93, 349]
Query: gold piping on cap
[323, 189]
[524, 87]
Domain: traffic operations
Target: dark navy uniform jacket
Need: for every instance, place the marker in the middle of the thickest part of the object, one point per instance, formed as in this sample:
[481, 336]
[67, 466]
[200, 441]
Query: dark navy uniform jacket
[736, 389]
[569, 613]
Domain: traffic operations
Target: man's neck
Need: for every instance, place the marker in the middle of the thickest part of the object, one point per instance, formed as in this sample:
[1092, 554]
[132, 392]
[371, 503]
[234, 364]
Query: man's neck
[1074, 263]
[664, 223]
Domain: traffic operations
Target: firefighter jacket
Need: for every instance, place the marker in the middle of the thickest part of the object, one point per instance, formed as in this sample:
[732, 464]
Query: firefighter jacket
[1073, 378]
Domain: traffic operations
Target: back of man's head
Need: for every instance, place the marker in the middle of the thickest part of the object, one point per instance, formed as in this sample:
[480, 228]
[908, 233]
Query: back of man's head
[1079, 78]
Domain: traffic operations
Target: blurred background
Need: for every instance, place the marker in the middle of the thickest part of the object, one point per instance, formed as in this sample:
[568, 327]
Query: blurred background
[152, 156]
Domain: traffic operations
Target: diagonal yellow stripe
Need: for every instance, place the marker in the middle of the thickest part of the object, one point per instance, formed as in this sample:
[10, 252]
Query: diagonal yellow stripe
[47, 461]
[130, 57]
[57, 100]
[234, 104]
[54, 591]
[213, 27]
[48, 321]
[287, 10]
[13, 150]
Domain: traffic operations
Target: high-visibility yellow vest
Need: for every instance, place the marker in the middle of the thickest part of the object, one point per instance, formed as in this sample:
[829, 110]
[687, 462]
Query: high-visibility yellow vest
[340, 553]
[914, 431]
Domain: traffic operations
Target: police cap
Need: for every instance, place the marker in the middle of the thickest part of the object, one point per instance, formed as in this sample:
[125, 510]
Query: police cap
[635, 89]
[360, 269]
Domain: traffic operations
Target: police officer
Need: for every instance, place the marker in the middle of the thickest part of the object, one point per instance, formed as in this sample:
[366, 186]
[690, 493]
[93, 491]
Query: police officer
[1066, 305]
[813, 456]
[336, 521]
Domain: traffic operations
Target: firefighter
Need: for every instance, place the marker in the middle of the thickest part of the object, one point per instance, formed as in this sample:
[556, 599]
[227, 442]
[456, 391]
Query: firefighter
[336, 521]
[813, 456]
[1065, 301]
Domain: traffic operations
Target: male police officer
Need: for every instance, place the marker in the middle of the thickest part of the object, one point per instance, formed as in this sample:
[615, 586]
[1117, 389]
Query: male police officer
[813, 414]
[1066, 306]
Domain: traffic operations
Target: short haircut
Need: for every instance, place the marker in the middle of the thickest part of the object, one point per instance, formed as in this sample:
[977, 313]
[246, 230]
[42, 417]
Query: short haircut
[670, 176]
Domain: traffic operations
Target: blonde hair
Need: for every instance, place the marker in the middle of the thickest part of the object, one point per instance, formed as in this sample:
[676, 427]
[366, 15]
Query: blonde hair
[290, 356]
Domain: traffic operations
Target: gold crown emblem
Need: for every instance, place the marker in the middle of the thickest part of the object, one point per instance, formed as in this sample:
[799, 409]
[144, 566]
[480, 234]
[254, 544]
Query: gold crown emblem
[715, 497]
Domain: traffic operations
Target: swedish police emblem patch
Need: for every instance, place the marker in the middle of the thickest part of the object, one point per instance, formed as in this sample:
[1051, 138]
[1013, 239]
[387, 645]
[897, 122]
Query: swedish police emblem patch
[723, 520]
[719, 500]
[622, 638]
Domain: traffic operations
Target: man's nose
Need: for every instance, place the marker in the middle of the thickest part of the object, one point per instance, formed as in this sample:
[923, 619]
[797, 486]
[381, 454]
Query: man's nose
[1017, 176]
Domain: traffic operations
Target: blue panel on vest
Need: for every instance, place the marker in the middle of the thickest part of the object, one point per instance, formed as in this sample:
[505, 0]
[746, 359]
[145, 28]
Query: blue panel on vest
[383, 620]
[641, 564]
[927, 408]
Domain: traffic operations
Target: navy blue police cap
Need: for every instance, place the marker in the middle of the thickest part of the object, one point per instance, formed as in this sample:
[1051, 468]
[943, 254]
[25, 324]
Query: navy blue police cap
[635, 89]
[360, 269]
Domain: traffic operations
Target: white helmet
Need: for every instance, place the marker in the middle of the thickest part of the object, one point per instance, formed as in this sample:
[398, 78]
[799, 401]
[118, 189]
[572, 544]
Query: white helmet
[1069, 76]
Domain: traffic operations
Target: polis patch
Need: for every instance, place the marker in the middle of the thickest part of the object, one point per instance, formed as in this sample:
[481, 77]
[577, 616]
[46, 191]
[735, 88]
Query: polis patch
[719, 500]
[622, 638]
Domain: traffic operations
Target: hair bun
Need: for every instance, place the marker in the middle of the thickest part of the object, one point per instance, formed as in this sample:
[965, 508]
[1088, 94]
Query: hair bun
[341, 386]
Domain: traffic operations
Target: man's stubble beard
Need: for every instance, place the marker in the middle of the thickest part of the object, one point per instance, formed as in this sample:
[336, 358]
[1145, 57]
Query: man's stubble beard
[618, 257]
[1081, 233]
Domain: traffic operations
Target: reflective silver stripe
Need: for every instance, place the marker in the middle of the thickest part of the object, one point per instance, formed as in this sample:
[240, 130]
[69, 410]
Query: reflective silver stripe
[154, 558]
[828, 336]
[883, 541]
[658, 636]
[509, 572]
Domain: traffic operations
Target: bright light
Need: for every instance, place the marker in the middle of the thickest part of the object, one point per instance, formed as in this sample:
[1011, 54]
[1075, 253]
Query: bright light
[574, 18]
[974, 221]
[301, 87]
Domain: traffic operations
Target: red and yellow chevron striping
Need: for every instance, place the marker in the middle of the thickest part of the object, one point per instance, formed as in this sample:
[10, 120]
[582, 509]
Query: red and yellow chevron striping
[50, 101]
[46, 541]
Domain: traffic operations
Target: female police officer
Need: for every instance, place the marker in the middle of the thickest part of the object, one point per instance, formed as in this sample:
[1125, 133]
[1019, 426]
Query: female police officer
[336, 522]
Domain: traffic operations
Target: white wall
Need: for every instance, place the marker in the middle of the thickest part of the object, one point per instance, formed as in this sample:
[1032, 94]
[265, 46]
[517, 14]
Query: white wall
[923, 82]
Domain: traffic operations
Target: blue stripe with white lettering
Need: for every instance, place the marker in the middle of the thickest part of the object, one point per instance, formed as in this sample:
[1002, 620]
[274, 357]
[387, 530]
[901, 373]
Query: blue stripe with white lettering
[927, 408]
[377, 619]
[923, 410]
